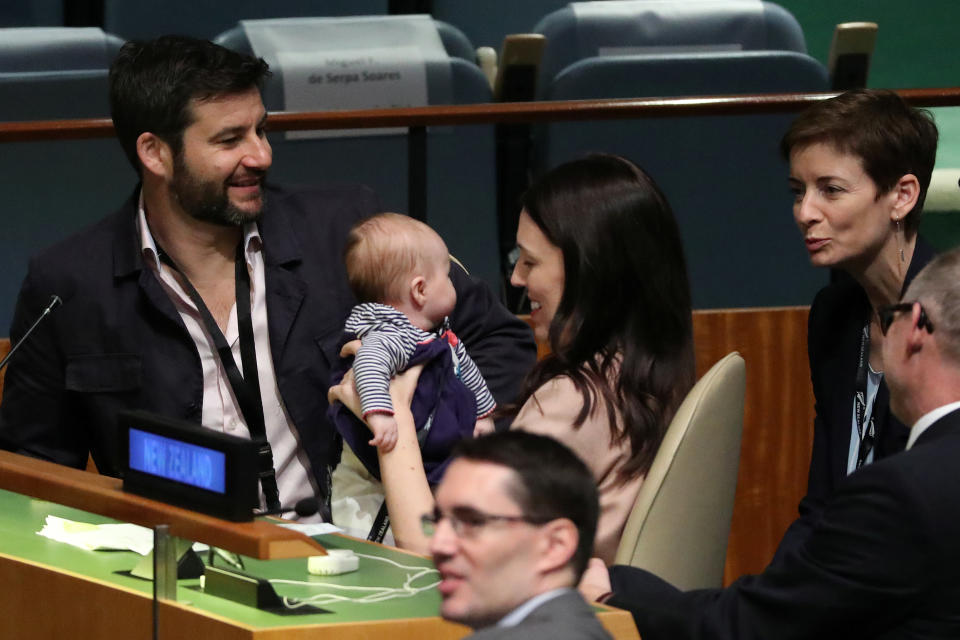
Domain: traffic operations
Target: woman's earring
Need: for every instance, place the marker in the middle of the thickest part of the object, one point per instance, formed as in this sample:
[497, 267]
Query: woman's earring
[900, 241]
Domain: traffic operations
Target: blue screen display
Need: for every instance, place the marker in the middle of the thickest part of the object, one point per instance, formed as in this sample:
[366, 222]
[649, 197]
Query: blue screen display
[177, 461]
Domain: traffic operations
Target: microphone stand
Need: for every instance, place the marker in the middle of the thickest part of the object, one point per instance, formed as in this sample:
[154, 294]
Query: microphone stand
[55, 302]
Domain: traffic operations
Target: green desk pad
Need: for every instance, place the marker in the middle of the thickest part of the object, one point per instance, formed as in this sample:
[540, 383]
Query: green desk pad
[21, 517]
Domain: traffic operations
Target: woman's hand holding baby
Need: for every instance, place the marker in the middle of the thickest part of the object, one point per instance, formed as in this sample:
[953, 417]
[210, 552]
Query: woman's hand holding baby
[383, 426]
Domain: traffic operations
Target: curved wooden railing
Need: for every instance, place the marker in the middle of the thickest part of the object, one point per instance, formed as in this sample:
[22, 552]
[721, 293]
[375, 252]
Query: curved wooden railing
[495, 113]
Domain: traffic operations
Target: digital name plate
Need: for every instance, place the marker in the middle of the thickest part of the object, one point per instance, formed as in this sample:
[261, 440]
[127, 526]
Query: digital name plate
[188, 465]
[191, 464]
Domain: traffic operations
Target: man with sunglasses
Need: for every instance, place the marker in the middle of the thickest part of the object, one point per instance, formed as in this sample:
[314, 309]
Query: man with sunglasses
[884, 561]
[511, 534]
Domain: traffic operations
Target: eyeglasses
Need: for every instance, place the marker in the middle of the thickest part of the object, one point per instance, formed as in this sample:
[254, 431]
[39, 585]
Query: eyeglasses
[467, 522]
[887, 313]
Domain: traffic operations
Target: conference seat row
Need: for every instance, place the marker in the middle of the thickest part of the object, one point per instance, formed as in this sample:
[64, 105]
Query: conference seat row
[722, 174]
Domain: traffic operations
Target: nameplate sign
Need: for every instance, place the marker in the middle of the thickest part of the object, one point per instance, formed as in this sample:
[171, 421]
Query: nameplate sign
[357, 79]
[364, 62]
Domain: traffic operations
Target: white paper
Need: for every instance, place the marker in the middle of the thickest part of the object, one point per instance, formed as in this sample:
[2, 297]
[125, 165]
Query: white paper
[93, 537]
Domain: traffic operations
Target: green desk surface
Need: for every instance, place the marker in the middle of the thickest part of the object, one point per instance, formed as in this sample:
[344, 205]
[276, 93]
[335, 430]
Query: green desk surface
[21, 517]
[54, 590]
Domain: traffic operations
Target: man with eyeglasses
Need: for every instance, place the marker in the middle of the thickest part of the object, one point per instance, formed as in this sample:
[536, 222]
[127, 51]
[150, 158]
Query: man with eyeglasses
[884, 560]
[511, 534]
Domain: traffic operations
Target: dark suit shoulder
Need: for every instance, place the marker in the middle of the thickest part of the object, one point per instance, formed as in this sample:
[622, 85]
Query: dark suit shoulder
[566, 617]
[926, 476]
[903, 509]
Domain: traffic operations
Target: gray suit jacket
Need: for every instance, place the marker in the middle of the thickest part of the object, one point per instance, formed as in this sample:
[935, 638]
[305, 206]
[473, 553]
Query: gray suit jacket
[565, 617]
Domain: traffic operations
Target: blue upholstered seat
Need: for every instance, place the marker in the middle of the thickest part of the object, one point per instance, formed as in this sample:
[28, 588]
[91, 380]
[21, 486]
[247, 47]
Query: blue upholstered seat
[722, 174]
[486, 22]
[589, 29]
[53, 188]
[207, 18]
[461, 188]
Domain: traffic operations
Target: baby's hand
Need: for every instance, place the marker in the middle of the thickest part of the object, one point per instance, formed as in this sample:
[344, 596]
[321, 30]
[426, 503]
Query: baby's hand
[483, 427]
[384, 428]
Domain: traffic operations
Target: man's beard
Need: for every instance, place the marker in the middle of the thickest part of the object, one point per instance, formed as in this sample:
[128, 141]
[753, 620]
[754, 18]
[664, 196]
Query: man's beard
[209, 201]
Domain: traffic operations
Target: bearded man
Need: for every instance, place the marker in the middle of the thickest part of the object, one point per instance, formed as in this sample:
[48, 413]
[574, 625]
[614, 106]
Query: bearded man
[209, 296]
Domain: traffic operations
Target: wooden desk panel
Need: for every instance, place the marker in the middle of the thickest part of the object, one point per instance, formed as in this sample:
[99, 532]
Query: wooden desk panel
[42, 603]
[52, 590]
[104, 495]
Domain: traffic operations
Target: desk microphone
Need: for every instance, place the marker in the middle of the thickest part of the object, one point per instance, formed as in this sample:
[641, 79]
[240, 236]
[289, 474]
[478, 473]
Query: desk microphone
[304, 509]
[55, 302]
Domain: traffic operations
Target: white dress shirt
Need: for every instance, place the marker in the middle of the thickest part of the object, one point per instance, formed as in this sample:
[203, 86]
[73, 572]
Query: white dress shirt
[220, 409]
[927, 419]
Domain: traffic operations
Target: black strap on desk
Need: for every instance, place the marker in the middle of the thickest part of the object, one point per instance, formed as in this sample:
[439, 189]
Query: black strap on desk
[245, 388]
[867, 433]
[381, 522]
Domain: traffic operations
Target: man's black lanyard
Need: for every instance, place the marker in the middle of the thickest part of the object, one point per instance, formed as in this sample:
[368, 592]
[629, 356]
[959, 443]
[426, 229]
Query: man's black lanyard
[867, 436]
[245, 388]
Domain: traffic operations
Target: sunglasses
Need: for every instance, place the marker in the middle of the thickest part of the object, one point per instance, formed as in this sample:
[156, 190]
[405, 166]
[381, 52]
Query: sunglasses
[888, 312]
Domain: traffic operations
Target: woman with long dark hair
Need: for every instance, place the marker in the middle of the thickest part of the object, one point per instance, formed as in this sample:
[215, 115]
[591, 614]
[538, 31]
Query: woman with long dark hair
[602, 262]
[601, 259]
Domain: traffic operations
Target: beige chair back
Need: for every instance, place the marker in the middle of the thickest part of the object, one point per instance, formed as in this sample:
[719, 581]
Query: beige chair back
[679, 526]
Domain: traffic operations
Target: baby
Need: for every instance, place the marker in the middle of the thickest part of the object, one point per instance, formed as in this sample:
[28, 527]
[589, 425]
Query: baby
[399, 270]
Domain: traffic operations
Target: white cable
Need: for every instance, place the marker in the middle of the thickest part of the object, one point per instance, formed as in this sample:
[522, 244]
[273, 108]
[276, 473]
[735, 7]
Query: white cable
[393, 562]
[376, 594]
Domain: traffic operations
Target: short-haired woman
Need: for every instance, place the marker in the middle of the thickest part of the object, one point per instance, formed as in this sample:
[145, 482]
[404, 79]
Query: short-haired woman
[860, 165]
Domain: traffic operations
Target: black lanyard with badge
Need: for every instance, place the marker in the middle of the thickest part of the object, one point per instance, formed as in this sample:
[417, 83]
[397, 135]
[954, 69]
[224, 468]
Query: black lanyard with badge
[867, 435]
[246, 388]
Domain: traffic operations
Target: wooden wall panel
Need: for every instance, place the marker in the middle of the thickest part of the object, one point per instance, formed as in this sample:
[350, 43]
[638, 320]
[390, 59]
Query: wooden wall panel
[777, 426]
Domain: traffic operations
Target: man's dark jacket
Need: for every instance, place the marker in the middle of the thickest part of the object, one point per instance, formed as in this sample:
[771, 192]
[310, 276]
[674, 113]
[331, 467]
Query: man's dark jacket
[882, 562]
[118, 342]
